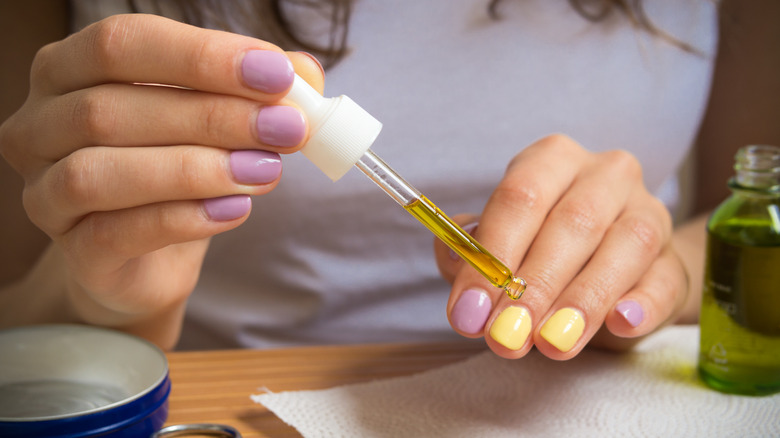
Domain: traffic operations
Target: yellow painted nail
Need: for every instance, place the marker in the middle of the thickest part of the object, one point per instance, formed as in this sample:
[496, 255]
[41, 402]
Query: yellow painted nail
[511, 327]
[564, 328]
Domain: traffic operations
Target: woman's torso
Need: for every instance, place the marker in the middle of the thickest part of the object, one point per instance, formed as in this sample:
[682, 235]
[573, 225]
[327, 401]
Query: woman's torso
[459, 95]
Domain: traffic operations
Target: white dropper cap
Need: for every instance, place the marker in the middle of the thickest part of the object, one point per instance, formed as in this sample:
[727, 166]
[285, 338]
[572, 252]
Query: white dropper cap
[340, 131]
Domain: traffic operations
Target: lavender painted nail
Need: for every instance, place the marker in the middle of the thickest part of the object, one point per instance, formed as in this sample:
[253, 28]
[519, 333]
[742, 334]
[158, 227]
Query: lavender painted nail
[227, 208]
[471, 311]
[267, 71]
[631, 311]
[255, 167]
[280, 125]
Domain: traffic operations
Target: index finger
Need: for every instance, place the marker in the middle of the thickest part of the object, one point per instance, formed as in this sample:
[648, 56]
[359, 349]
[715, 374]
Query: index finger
[141, 48]
[511, 219]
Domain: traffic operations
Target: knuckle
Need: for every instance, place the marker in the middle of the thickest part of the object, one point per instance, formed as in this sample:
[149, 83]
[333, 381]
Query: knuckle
[165, 223]
[581, 216]
[201, 65]
[559, 144]
[74, 180]
[95, 114]
[644, 233]
[212, 122]
[559, 140]
[189, 169]
[624, 162]
[107, 39]
[527, 196]
[44, 65]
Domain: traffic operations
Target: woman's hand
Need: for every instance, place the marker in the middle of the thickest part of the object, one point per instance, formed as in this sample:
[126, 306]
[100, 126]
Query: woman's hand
[590, 240]
[141, 138]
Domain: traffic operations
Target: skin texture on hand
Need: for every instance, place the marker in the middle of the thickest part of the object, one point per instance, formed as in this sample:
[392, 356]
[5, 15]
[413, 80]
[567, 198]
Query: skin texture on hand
[593, 244]
[140, 139]
[743, 109]
[57, 285]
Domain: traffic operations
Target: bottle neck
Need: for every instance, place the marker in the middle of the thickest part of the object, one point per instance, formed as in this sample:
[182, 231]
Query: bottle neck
[757, 169]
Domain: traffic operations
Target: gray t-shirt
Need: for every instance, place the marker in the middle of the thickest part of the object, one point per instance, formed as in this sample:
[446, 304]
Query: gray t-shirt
[459, 95]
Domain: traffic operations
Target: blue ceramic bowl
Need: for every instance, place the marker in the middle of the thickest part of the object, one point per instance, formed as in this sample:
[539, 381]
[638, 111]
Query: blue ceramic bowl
[69, 381]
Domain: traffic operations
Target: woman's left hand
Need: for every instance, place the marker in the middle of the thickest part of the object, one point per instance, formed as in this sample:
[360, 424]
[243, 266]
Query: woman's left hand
[593, 244]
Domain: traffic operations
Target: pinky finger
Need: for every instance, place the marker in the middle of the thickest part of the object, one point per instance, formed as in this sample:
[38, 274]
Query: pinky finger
[655, 300]
[104, 241]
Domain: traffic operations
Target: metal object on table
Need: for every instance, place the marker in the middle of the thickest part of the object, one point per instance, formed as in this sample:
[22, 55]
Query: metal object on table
[218, 430]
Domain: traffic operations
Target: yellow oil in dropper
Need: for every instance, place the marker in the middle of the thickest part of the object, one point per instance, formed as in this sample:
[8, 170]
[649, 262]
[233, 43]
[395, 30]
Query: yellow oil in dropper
[340, 134]
[442, 226]
[466, 247]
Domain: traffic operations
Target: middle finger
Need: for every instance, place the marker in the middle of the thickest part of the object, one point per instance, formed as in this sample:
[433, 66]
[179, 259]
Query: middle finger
[567, 240]
[143, 115]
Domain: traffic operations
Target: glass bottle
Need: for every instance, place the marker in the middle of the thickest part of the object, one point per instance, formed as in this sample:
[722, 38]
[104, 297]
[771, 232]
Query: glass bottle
[740, 314]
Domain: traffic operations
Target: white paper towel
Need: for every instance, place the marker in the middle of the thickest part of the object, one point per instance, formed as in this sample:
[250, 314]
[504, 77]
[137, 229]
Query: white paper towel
[651, 392]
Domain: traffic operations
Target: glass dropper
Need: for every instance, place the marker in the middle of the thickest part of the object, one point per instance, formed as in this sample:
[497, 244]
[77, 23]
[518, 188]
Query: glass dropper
[340, 135]
[440, 225]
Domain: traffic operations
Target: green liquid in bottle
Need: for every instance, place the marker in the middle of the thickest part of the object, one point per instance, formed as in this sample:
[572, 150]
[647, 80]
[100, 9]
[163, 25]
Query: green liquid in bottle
[740, 314]
[740, 328]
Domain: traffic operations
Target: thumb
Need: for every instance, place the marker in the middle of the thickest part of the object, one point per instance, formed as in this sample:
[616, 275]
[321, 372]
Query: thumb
[309, 69]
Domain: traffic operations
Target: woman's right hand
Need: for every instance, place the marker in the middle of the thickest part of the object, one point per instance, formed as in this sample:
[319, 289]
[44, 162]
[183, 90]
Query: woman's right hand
[140, 139]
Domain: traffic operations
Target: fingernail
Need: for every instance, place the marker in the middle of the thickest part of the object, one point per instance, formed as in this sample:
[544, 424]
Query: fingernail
[227, 208]
[267, 71]
[255, 167]
[280, 125]
[316, 61]
[564, 329]
[468, 229]
[471, 311]
[632, 312]
[512, 327]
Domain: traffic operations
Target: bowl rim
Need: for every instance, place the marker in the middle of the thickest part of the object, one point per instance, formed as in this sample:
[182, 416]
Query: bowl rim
[57, 328]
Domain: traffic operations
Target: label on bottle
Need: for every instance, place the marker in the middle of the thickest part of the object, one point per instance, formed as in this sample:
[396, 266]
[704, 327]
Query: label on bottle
[745, 282]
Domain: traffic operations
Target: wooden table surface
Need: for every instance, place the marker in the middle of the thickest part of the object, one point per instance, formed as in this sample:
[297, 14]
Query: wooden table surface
[214, 386]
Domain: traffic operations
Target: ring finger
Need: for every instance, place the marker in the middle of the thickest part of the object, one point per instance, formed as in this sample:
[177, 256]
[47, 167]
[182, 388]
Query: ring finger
[625, 254]
[106, 179]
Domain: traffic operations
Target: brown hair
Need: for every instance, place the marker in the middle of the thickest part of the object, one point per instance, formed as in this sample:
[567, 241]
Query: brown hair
[268, 20]
[597, 10]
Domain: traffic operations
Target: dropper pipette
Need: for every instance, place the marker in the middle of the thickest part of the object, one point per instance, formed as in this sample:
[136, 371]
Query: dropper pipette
[341, 133]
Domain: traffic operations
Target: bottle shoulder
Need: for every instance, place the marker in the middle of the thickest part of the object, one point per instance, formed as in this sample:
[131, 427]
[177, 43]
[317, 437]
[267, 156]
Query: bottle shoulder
[747, 220]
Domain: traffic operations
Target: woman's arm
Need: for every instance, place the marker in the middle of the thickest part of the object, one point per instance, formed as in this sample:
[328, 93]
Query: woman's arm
[129, 180]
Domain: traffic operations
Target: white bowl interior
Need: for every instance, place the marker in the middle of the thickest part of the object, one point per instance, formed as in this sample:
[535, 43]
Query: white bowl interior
[60, 361]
